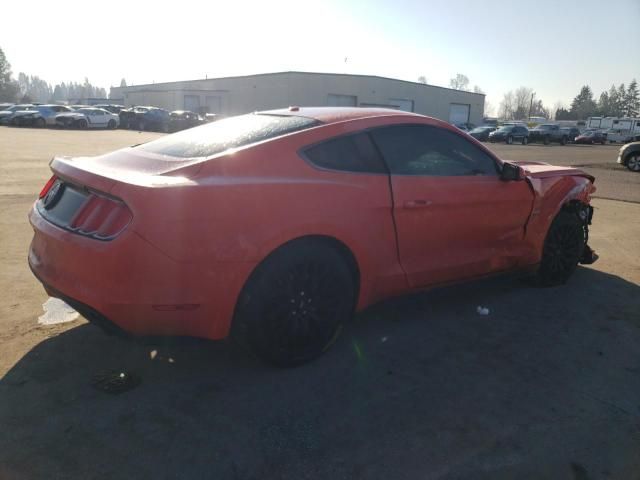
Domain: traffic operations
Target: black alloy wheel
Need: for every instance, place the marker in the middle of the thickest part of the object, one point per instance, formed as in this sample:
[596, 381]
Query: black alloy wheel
[294, 304]
[563, 249]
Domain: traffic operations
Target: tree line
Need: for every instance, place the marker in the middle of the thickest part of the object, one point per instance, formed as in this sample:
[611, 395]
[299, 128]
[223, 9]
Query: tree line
[31, 88]
[616, 102]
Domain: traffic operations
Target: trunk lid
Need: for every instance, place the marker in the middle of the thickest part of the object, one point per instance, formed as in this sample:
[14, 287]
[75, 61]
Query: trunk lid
[132, 166]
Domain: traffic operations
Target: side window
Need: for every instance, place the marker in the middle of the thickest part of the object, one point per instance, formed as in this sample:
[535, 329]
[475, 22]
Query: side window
[432, 151]
[350, 153]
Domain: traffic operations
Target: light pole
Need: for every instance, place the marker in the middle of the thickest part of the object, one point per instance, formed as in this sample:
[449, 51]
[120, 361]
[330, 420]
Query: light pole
[533, 94]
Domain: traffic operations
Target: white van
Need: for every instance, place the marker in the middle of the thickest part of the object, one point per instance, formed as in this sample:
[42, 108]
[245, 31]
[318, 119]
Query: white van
[600, 123]
[624, 130]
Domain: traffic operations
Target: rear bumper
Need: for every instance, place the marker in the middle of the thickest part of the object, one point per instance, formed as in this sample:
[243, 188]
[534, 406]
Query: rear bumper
[130, 283]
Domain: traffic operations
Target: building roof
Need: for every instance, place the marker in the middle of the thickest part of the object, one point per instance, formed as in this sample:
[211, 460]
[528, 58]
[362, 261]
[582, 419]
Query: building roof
[294, 72]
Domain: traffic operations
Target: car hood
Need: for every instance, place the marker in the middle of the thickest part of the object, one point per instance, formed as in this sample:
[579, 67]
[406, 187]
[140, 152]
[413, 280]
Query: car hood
[545, 170]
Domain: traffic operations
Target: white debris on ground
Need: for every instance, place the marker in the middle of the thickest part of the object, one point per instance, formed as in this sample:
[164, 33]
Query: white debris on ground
[56, 311]
[482, 310]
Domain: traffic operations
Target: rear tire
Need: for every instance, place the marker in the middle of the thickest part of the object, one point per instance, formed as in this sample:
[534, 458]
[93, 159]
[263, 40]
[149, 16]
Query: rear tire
[562, 250]
[82, 124]
[633, 162]
[294, 304]
[40, 122]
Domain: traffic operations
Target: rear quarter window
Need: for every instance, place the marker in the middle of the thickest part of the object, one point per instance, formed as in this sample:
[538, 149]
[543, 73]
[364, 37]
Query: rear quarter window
[350, 153]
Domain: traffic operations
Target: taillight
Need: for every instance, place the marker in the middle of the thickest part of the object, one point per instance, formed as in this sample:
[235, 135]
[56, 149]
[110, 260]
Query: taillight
[101, 217]
[47, 186]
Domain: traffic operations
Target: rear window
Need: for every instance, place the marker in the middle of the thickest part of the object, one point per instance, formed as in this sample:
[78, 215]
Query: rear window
[232, 132]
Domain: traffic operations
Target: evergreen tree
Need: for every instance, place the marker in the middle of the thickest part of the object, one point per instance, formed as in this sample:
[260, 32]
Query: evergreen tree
[632, 100]
[583, 105]
[614, 102]
[8, 87]
[604, 105]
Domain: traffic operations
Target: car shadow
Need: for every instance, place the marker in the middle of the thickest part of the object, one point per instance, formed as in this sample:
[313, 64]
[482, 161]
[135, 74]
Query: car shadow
[421, 386]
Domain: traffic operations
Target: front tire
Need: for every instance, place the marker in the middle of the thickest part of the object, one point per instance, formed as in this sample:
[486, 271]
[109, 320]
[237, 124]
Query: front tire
[562, 250]
[546, 141]
[294, 304]
[509, 140]
[525, 140]
[633, 162]
[82, 124]
[40, 123]
[112, 124]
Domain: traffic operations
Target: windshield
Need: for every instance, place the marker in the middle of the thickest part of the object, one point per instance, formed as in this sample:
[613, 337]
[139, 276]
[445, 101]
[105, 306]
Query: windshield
[506, 128]
[222, 135]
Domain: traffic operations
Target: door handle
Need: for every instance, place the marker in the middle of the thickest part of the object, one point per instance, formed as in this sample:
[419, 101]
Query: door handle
[417, 203]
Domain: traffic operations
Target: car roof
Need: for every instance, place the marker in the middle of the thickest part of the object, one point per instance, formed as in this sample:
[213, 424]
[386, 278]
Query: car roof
[337, 114]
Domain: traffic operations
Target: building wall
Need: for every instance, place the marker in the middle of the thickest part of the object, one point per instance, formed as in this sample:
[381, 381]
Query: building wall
[237, 95]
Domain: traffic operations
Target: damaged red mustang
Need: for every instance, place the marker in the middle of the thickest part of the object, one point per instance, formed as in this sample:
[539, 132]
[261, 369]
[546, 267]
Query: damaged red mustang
[274, 227]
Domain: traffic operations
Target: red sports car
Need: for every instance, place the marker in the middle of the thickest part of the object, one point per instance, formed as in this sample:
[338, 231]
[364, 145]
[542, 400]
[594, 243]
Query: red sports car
[591, 138]
[274, 227]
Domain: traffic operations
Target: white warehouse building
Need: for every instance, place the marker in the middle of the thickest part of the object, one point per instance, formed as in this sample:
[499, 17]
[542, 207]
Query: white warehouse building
[243, 94]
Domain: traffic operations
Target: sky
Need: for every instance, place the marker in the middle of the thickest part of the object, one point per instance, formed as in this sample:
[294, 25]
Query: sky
[553, 47]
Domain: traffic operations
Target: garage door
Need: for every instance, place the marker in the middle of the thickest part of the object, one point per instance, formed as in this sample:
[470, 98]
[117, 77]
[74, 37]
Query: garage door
[192, 103]
[335, 100]
[458, 113]
[402, 103]
[214, 104]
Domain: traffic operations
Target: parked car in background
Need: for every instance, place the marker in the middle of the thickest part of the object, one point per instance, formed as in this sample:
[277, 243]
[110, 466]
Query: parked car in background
[482, 133]
[212, 117]
[591, 137]
[510, 134]
[38, 116]
[6, 115]
[4, 106]
[183, 119]
[629, 156]
[208, 242]
[127, 115]
[465, 127]
[547, 133]
[88, 117]
[110, 108]
[571, 133]
[149, 118]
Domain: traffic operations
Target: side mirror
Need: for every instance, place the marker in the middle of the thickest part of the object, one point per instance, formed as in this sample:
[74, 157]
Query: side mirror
[510, 172]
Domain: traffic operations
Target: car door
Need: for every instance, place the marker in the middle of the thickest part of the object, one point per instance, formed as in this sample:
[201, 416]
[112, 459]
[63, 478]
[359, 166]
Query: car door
[455, 218]
[98, 118]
